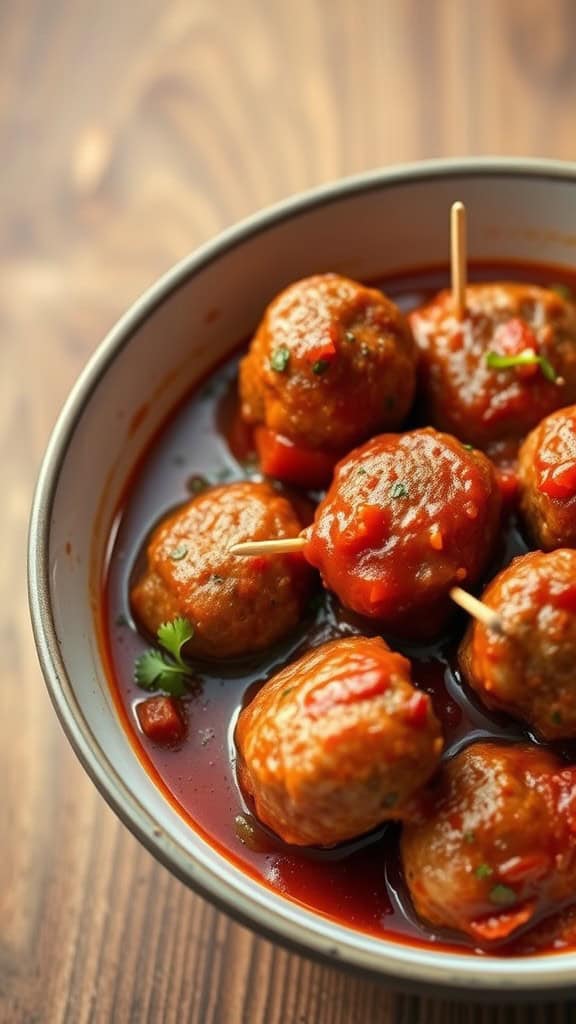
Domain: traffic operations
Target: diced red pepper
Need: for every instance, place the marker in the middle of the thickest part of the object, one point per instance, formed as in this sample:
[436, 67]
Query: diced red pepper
[322, 347]
[346, 691]
[161, 720]
[500, 926]
[529, 868]
[514, 337]
[566, 599]
[324, 350]
[370, 526]
[559, 481]
[282, 458]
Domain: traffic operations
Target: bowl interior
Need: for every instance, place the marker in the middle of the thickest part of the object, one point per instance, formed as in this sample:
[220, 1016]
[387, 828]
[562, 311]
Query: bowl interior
[177, 332]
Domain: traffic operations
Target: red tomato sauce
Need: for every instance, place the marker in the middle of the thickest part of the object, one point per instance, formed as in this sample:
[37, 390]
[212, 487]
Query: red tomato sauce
[358, 884]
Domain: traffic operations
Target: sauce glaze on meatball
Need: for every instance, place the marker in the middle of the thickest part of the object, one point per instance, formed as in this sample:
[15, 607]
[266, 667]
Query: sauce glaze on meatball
[235, 605]
[529, 669]
[495, 849]
[407, 517]
[331, 362]
[337, 743]
[463, 393]
[547, 480]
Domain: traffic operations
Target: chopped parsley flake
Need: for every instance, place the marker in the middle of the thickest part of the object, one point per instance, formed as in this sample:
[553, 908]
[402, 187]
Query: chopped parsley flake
[320, 366]
[399, 490]
[178, 553]
[502, 895]
[483, 871]
[279, 359]
[350, 336]
[562, 290]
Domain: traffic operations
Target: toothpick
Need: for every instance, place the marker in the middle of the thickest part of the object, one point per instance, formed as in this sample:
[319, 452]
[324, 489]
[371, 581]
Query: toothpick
[269, 547]
[487, 616]
[458, 257]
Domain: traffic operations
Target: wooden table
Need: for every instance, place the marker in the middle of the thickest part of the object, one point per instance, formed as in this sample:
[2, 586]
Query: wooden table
[130, 132]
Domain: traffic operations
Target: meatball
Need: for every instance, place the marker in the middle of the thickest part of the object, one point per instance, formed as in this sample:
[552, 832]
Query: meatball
[495, 849]
[406, 518]
[235, 605]
[337, 743]
[528, 669]
[547, 481]
[484, 404]
[331, 362]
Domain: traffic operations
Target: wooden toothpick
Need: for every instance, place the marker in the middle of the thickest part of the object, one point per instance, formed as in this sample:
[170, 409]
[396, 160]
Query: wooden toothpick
[269, 547]
[487, 616]
[458, 257]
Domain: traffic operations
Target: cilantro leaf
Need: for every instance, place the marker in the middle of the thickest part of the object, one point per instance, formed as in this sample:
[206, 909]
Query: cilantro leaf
[172, 636]
[153, 672]
[166, 670]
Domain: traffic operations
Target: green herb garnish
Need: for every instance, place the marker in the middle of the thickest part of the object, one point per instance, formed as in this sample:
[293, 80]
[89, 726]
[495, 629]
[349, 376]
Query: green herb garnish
[390, 800]
[350, 336]
[525, 358]
[320, 366]
[280, 358]
[562, 290]
[483, 871]
[166, 670]
[196, 484]
[556, 718]
[398, 490]
[178, 553]
[469, 837]
[502, 895]
[286, 691]
[468, 447]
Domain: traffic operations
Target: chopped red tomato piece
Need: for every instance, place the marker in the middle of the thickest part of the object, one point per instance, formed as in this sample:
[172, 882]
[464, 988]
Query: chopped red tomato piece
[529, 868]
[559, 481]
[368, 529]
[281, 458]
[161, 720]
[500, 926]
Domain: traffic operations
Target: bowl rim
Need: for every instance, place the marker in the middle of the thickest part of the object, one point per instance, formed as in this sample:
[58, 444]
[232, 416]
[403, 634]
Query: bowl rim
[401, 963]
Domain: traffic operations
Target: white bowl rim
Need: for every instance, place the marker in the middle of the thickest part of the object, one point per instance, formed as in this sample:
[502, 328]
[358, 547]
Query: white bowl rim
[401, 964]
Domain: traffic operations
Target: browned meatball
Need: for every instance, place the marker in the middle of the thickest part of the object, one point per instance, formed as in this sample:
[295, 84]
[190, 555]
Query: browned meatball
[495, 849]
[407, 517]
[547, 480]
[481, 403]
[529, 669]
[235, 605]
[331, 362]
[337, 743]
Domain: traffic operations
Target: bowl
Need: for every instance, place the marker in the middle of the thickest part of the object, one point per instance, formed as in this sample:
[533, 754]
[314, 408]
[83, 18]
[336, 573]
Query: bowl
[364, 227]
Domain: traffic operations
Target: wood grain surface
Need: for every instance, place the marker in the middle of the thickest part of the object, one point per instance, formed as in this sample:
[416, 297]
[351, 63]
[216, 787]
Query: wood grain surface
[130, 132]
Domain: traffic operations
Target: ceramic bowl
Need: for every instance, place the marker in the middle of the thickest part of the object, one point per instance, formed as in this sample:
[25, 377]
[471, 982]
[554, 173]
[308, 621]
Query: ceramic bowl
[363, 227]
